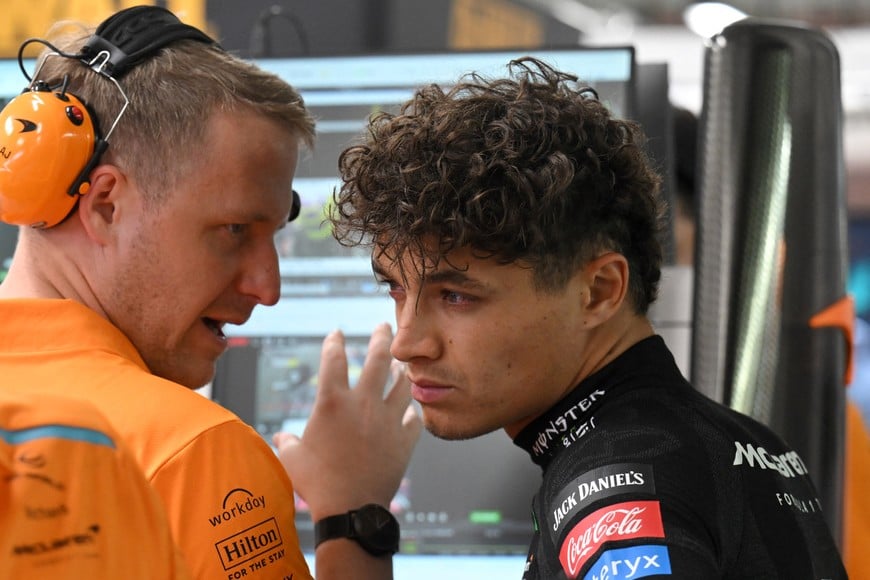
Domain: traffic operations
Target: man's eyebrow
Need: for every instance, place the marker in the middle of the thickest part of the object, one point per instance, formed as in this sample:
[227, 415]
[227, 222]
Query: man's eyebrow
[452, 276]
[444, 276]
[253, 216]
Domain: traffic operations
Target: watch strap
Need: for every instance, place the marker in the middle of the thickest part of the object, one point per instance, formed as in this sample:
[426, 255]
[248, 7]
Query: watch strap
[332, 527]
[372, 526]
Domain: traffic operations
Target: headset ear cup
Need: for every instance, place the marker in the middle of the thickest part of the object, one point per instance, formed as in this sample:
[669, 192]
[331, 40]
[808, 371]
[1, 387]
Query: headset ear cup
[296, 206]
[46, 139]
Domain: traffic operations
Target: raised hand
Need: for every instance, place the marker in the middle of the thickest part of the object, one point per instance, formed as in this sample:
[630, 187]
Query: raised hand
[358, 441]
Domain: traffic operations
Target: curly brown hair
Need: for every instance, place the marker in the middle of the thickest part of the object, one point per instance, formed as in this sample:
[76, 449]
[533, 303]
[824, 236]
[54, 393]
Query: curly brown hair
[530, 169]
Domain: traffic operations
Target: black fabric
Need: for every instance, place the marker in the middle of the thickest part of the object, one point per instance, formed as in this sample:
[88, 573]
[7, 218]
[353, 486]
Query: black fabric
[644, 477]
[134, 34]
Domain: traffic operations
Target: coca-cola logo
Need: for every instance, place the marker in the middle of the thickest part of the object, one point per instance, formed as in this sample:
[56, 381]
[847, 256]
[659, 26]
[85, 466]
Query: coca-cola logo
[622, 521]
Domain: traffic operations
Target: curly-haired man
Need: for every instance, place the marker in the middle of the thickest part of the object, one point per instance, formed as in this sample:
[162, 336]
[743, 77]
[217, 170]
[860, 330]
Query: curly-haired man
[516, 224]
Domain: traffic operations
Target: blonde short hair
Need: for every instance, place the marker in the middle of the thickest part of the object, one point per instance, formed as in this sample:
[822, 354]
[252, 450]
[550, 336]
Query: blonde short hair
[172, 97]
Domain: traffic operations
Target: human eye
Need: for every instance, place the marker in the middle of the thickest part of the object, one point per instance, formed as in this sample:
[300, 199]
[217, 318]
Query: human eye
[393, 289]
[236, 229]
[454, 298]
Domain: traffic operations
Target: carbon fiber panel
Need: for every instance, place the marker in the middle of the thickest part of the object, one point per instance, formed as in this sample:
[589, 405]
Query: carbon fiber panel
[772, 239]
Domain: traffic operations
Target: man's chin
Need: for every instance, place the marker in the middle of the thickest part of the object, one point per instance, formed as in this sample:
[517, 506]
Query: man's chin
[452, 432]
[199, 381]
[192, 376]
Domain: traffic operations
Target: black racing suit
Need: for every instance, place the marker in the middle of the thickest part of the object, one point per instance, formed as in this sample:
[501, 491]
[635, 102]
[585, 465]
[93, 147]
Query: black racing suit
[644, 477]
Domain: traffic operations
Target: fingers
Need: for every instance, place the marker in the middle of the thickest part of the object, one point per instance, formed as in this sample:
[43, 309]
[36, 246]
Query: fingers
[333, 363]
[379, 367]
[282, 440]
[378, 361]
[331, 468]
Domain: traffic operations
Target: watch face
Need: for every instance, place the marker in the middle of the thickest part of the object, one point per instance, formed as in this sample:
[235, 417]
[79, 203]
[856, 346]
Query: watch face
[377, 530]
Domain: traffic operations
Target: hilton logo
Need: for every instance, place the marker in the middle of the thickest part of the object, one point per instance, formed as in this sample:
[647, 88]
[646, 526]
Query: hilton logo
[249, 544]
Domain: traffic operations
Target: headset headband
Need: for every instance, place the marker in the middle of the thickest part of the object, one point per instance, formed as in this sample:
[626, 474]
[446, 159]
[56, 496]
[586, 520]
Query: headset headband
[122, 41]
[134, 34]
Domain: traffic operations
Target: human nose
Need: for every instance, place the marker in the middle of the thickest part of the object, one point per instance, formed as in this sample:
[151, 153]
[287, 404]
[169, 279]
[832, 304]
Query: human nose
[416, 335]
[260, 278]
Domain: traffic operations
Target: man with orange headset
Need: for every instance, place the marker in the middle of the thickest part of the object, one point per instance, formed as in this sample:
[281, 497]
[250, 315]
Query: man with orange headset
[149, 171]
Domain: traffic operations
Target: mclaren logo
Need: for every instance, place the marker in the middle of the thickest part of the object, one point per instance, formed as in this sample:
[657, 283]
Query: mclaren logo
[27, 126]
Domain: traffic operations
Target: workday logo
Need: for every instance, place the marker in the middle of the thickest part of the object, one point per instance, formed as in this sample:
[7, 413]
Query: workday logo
[237, 502]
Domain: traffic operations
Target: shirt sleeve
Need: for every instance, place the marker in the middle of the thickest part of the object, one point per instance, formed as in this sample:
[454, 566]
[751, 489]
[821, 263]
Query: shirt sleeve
[231, 507]
[73, 501]
[615, 521]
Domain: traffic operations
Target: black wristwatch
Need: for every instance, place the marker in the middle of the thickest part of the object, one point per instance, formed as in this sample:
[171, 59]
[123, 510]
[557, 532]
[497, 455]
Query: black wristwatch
[372, 526]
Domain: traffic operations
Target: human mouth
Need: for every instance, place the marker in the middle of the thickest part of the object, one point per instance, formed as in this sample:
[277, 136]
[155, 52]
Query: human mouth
[216, 328]
[428, 393]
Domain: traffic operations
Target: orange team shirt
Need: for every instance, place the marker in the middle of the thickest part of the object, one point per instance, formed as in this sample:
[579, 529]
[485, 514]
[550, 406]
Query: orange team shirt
[73, 502]
[228, 499]
[856, 501]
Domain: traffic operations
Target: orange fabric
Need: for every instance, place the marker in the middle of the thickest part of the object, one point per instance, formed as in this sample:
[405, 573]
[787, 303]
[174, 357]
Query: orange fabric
[73, 502]
[841, 314]
[856, 501]
[227, 497]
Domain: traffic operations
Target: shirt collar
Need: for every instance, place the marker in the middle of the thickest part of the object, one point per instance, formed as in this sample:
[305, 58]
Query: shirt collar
[569, 420]
[43, 325]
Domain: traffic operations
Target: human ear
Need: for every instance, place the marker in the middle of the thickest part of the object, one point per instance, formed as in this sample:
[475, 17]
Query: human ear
[98, 208]
[607, 279]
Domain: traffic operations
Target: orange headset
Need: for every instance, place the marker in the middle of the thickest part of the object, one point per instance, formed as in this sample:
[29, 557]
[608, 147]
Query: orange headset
[46, 139]
[49, 138]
